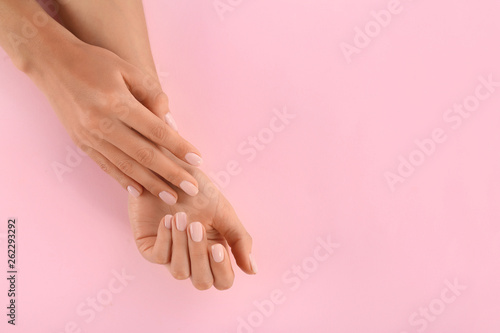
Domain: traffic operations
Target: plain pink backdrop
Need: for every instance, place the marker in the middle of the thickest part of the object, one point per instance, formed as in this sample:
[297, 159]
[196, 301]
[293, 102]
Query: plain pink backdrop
[322, 176]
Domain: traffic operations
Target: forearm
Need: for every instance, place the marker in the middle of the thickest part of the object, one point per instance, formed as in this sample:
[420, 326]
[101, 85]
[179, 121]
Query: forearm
[28, 34]
[116, 25]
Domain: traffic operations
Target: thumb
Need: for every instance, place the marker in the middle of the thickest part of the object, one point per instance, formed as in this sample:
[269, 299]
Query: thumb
[240, 241]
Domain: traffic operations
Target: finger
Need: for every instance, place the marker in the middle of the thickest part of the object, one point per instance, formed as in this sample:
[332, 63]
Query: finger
[147, 90]
[156, 130]
[179, 264]
[170, 121]
[150, 156]
[157, 102]
[240, 241]
[133, 170]
[133, 187]
[201, 274]
[144, 227]
[163, 244]
[221, 267]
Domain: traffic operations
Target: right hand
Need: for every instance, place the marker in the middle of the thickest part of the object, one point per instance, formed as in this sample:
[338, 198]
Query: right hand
[114, 112]
[205, 261]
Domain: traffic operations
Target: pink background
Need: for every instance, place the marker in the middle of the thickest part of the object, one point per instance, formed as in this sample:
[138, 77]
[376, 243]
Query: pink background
[322, 176]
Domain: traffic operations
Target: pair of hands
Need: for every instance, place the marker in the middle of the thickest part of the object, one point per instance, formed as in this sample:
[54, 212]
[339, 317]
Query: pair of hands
[119, 116]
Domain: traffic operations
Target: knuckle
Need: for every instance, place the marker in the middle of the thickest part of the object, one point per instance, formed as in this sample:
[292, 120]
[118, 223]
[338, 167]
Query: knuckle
[84, 147]
[203, 284]
[162, 97]
[159, 132]
[249, 238]
[179, 274]
[125, 166]
[97, 142]
[198, 256]
[89, 122]
[122, 109]
[106, 125]
[100, 102]
[108, 101]
[96, 135]
[139, 92]
[224, 285]
[246, 238]
[176, 176]
[104, 166]
[146, 256]
[149, 83]
[160, 260]
[145, 156]
[123, 181]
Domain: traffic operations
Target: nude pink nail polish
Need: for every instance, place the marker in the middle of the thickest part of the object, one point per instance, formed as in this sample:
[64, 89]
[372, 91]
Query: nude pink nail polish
[189, 188]
[168, 221]
[170, 121]
[193, 159]
[168, 198]
[196, 231]
[181, 221]
[253, 264]
[218, 252]
[133, 191]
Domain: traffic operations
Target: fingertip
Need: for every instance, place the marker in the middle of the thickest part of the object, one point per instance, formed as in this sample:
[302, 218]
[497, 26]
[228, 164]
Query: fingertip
[133, 191]
[169, 119]
[167, 221]
[253, 264]
[167, 198]
[245, 260]
[162, 246]
[193, 159]
[218, 252]
[196, 231]
[189, 188]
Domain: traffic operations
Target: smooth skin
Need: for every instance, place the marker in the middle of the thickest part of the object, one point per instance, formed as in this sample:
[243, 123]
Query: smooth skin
[172, 244]
[154, 224]
[103, 101]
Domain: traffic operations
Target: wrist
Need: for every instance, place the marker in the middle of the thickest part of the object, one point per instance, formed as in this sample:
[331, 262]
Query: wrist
[51, 42]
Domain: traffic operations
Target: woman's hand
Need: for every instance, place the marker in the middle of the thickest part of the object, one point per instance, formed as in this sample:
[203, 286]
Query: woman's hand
[112, 111]
[191, 237]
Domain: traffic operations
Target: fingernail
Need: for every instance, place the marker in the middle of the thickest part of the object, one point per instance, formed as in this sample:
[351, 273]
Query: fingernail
[253, 264]
[133, 191]
[189, 188]
[181, 221]
[193, 159]
[168, 198]
[168, 221]
[170, 121]
[196, 231]
[218, 252]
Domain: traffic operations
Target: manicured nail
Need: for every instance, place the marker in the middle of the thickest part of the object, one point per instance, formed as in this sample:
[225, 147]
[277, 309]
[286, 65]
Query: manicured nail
[189, 188]
[196, 231]
[181, 221]
[170, 121]
[218, 252]
[193, 159]
[168, 198]
[253, 264]
[168, 221]
[133, 191]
